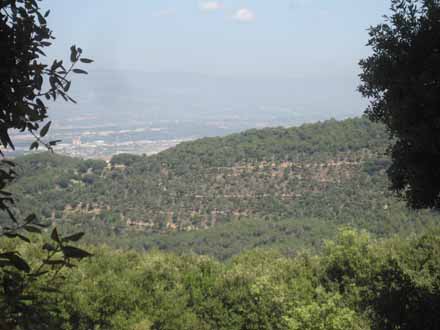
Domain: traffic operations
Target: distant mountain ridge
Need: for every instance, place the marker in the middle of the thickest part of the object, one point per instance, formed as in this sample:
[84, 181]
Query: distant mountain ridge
[135, 97]
[300, 182]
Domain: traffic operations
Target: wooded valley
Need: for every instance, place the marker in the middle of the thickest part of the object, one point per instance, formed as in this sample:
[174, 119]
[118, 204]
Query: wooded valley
[287, 188]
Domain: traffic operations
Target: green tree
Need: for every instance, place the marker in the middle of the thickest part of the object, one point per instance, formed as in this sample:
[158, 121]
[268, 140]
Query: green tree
[402, 80]
[325, 312]
[24, 35]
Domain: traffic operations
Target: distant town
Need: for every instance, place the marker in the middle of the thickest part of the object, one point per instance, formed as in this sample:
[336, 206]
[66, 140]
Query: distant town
[105, 150]
[101, 142]
[92, 137]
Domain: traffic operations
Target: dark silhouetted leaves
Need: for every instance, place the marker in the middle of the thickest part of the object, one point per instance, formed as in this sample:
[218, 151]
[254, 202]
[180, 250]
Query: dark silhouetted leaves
[45, 129]
[16, 235]
[30, 218]
[49, 247]
[86, 60]
[32, 229]
[73, 54]
[80, 71]
[54, 235]
[15, 261]
[75, 253]
[73, 238]
[34, 145]
[54, 142]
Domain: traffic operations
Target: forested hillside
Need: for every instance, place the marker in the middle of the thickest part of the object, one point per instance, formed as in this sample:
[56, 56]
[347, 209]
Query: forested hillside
[357, 283]
[272, 187]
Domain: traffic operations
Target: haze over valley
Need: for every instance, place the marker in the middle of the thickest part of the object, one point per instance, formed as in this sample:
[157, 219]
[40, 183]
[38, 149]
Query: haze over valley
[178, 71]
[144, 112]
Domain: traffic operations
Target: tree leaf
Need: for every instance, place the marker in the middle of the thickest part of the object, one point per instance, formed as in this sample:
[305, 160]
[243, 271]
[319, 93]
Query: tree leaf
[32, 229]
[74, 238]
[71, 100]
[73, 54]
[8, 162]
[75, 253]
[40, 104]
[34, 145]
[7, 255]
[30, 218]
[55, 236]
[45, 129]
[10, 235]
[67, 86]
[4, 263]
[48, 247]
[38, 81]
[54, 143]
[41, 19]
[16, 235]
[86, 60]
[23, 238]
[80, 71]
[19, 263]
[11, 215]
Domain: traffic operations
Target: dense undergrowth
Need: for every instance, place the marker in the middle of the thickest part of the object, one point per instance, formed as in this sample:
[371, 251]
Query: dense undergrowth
[356, 283]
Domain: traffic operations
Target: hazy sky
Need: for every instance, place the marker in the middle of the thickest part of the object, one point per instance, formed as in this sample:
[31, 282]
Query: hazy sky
[230, 37]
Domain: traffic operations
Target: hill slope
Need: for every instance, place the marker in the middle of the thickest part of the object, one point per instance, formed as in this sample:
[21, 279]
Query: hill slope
[281, 187]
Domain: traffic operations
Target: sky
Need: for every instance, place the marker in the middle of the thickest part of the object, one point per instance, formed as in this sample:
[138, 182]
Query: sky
[214, 55]
[292, 38]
